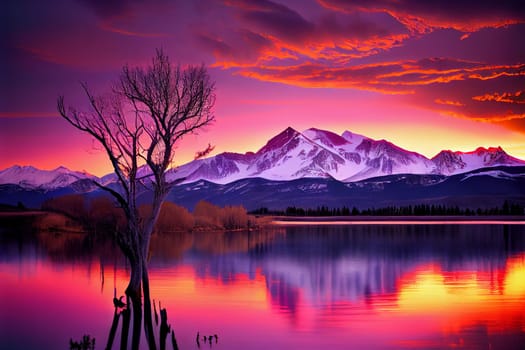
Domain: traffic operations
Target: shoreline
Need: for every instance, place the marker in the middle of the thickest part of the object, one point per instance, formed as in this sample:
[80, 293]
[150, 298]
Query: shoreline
[16, 213]
[360, 219]
[516, 219]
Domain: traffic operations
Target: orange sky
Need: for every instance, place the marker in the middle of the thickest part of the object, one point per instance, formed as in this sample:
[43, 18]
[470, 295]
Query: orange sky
[422, 76]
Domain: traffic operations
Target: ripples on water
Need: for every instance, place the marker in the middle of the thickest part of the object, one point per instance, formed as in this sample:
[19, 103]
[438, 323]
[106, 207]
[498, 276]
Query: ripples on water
[288, 287]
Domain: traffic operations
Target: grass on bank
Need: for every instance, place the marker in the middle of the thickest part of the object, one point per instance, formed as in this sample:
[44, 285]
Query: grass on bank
[102, 213]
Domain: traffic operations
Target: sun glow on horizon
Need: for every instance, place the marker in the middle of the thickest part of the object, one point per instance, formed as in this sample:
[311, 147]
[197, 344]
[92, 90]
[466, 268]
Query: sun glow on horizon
[420, 77]
[438, 305]
[461, 137]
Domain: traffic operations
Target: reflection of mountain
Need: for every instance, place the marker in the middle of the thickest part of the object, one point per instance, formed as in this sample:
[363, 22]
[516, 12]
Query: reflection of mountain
[169, 246]
[317, 265]
[24, 237]
[351, 263]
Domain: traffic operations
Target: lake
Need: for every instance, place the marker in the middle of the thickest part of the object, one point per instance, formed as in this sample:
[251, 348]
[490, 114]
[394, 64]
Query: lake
[361, 286]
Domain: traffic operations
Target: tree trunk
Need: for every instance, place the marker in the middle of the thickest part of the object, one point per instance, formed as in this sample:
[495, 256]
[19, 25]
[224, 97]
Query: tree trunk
[164, 328]
[136, 249]
[113, 330]
[147, 230]
[125, 326]
[133, 291]
[137, 321]
[148, 321]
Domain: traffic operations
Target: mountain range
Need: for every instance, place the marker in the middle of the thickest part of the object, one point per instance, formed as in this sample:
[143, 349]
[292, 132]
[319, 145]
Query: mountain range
[348, 157]
[291, 160]
[294, 155]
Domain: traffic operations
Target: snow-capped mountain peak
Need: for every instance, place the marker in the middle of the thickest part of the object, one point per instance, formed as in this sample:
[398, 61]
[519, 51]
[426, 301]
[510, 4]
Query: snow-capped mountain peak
[449, 162]
[319, 153]
[290, 155]
[384, 158]
[323, 137]
[353, 138]
[31, 177]
[279, 141]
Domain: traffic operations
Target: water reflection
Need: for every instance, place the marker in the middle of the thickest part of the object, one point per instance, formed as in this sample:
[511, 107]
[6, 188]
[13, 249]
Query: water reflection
[329, 264]
[365, 286]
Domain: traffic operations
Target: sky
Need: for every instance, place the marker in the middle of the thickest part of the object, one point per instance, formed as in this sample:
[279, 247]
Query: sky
[425, 75]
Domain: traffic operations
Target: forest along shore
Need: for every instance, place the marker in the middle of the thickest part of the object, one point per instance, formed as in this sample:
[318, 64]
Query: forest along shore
[518, 219]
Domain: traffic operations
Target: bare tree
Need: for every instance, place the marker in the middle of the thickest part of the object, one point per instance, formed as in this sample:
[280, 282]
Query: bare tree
[138, 125]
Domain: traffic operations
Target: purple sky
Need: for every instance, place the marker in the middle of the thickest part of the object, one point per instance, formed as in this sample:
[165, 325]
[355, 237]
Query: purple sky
[426, 75]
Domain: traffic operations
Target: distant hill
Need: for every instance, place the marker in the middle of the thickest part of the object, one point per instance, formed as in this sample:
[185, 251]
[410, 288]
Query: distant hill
[481, 188]
[307, 169]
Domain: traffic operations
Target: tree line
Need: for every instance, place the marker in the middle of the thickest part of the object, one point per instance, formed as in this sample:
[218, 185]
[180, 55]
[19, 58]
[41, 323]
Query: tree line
[506, 208]
[102, 213]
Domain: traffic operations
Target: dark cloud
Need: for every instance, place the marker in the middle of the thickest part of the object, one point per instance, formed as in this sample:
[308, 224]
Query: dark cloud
[492, 96]
[495, 45]
[374, 45]
[358, 26]
[108, 8]
[286, 35]
[273, 18]
[391, 77]
[111, 8]
[248, 47]
[378, 46]
[467, 15]
[459, 88]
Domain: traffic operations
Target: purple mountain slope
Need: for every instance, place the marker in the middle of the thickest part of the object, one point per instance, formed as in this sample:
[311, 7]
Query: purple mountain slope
[348, 157]
[30, 177]
[448, 162]
[291, 155]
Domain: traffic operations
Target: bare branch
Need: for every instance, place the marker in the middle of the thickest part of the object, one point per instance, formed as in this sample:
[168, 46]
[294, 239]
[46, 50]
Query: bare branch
[204, 153]
[140, 121]
[122, 202]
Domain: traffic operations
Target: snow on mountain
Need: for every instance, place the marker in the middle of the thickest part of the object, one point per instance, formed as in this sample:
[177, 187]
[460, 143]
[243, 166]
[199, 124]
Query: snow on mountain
[384, 158]
[449, 163]
[328, 138]
[347, 157]
[344, 145]
[498, 174]
[290, 155]
[31, 178]
[352, 138]
[222, 168]
[365, 157]
[143, 172]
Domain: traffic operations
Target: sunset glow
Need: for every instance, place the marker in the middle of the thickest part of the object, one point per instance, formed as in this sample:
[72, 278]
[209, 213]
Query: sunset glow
[441, 305]
[424, 76]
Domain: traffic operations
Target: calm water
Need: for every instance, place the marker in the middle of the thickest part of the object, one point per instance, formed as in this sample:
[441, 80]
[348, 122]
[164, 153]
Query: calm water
[290, 287]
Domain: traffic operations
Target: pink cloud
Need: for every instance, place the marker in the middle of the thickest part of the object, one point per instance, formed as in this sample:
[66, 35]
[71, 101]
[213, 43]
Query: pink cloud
[280, 61]
[506, 97]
